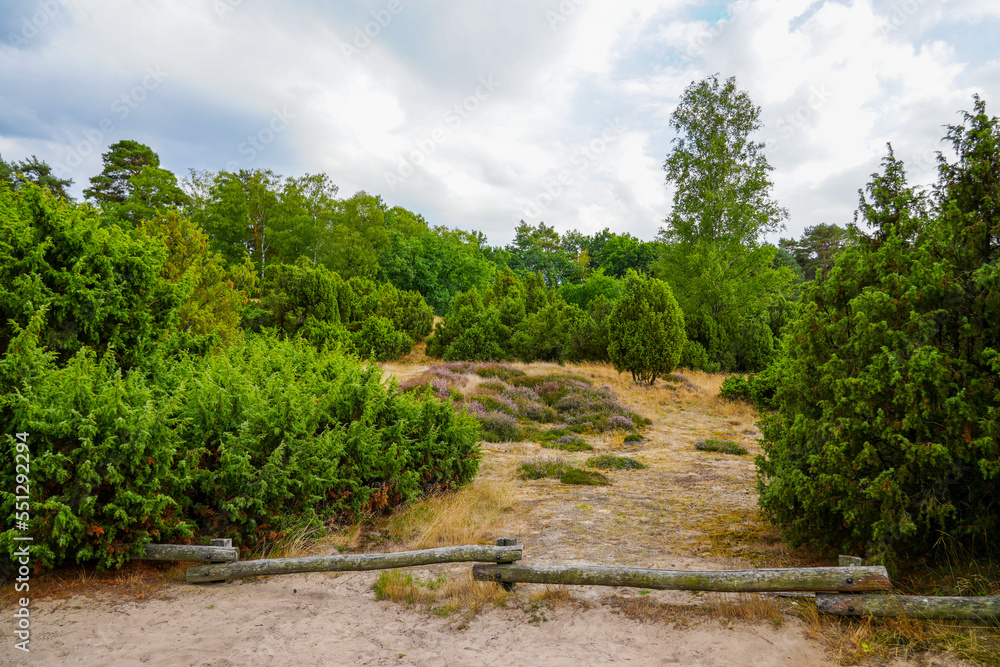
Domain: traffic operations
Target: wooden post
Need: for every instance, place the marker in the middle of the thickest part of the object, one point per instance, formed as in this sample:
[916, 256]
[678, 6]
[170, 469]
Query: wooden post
[849, 561]
[221, 541]
[732, 581]
[189, 552]
[508, 586]
[351, 562]
[912, 606]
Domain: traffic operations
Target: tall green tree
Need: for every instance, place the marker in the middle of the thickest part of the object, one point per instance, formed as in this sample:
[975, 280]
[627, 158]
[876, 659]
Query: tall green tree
[540, 249]
[436, 262]
[358, 236]
[241, 211]
[132, 186]
[713, 255]
[815, 251]
[33, 170]
[310, 210]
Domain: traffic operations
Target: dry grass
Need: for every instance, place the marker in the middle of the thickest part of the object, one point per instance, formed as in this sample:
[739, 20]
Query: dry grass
[879, 640]
[441, 595]
[748, 607]
[471, 515]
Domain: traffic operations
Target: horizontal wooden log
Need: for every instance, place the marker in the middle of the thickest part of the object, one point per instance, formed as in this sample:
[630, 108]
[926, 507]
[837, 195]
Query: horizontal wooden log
[188, 552]
[755, 581]
[352, 562]
[911, 606]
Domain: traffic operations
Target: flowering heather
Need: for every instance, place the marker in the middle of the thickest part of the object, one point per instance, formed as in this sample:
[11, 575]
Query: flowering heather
[458, 367]
[451, 377]
[439, 378]
[495, 369]
[497, 402]
[619, 423]
[476, 409]
[499, 427]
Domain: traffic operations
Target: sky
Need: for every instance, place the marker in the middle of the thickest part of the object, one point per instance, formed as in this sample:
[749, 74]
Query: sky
[480, 114]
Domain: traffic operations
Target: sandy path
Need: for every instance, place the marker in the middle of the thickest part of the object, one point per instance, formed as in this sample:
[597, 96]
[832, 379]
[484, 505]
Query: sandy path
[319, 619]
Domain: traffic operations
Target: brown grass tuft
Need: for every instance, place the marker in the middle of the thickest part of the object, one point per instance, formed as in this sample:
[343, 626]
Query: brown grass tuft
[471, 515]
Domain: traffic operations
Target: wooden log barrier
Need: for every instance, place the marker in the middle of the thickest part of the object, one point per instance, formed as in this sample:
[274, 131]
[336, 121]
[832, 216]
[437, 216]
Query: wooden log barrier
[912, 606]
[352, 562]
[873, 578]
[189, 552]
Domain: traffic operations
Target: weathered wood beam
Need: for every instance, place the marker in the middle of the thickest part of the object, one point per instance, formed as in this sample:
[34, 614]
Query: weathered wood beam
[188, 552]
[912, 606]
[352, 562]
[787, 579]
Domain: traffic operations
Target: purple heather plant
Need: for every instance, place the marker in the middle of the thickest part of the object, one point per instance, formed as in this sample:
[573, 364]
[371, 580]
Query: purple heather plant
[620, 423]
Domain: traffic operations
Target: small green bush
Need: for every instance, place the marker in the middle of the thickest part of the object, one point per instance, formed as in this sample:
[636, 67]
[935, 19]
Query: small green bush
[583, 477]
[568, 443]
[633, 437]
[645, 329]
[724, 446]
[542, 468]
[379, 340]
[759, 389]
[612, 462]
[735, 388]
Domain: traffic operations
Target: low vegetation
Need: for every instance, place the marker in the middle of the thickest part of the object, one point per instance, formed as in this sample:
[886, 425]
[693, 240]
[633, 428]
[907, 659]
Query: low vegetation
[724, 446]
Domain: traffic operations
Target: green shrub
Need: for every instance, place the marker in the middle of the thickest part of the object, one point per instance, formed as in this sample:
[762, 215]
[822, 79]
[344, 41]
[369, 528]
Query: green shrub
[735, 388]
[583, 477]
[107, 470]
[542, 468]
[379, 340]
[758, 389]
[244, 443]
[885, 439]
[103, 289]
[568, 443]
[694, 356]
[633, 437]
[612, 462]
[645, 329]
[724, 446]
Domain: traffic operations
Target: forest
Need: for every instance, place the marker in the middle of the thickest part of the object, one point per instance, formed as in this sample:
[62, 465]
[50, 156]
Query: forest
[196, 356]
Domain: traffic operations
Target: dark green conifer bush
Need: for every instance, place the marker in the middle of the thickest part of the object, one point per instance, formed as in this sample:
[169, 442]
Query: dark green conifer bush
[645, 329]
[243, 443]
[886, 435]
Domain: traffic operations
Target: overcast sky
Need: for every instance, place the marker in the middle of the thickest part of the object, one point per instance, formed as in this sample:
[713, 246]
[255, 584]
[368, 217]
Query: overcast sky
[478, 114]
